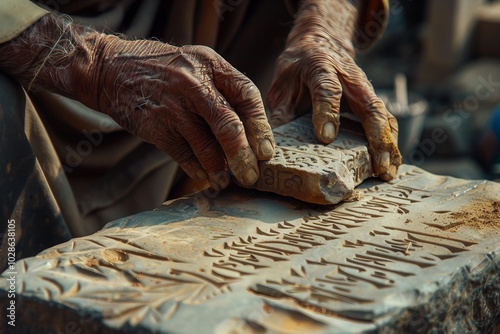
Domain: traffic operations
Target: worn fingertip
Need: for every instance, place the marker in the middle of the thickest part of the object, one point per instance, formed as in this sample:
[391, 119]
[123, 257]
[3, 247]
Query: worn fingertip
[244, 166]
[326, 124]
[250, 177]
[390, 174]
[260, 137]
[387, 176]
[385, 161]
[328, 132]
[247, 178]
[387, 166]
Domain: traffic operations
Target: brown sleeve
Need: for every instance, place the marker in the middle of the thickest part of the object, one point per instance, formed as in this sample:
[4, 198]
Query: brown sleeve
[16, 16]
[373, 16]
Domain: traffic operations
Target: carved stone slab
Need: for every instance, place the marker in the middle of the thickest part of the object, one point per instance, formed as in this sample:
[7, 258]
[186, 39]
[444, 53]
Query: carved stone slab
[313, 172]
[416, 254]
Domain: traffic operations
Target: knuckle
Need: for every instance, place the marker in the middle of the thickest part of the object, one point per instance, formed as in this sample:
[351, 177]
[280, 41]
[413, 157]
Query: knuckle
[323, 79]
[375, 105]
[243, 87]
[327, 88]
[249, 90]
[228, 128]
[394, 124]
[200, 50]
[250, 99]
[183, 155]
[369, 105]
[211, 58]
[326, 109]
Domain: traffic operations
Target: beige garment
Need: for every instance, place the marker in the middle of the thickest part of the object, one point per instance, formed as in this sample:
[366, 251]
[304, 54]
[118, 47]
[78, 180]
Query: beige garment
[16, 16]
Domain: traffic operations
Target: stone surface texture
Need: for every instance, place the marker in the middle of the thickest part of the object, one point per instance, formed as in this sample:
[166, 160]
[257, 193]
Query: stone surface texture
[418, 254]
[313, 172]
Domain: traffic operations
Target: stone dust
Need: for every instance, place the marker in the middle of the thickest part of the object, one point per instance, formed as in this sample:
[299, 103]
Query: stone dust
[479, 216]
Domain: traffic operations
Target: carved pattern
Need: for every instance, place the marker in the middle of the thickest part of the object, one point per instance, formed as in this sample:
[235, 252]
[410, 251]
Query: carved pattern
[316, 173]
[354, 257]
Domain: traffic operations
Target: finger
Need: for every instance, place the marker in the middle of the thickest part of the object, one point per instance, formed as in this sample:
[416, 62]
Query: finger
[230, 133]
[181, 152]
[204, 145]
[279, 100]
[386, 158]
[288, 96]
[380, 126]
[245, 99]
[153, 127]
[326, 91]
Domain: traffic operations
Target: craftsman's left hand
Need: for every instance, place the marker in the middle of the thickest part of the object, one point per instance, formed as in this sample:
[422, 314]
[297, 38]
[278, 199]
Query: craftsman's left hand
[317, 67]
[188, 101]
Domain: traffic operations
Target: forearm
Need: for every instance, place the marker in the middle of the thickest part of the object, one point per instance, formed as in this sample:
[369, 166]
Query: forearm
[52, 54]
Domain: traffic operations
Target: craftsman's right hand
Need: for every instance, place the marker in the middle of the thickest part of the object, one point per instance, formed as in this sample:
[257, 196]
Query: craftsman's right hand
[188, 101]
[317, 68]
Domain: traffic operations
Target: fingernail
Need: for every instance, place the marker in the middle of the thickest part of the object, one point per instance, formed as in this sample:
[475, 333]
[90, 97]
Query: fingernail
[385, 160]
[250, 177]
[328, 132]
[201, 175]
[266, 150]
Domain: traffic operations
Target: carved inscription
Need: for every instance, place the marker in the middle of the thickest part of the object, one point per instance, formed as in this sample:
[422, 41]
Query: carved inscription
[287, 180]
[345, 262]
[312, 172]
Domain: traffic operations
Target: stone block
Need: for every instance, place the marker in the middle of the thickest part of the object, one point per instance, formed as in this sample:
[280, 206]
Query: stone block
[418, 254]
[313, 172]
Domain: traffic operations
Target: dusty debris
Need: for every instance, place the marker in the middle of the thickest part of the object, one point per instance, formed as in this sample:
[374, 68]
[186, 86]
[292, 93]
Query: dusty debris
[355, 196]
[479, 215]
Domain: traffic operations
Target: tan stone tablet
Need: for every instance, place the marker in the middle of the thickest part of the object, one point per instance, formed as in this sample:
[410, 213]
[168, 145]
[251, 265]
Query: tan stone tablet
[417, 254]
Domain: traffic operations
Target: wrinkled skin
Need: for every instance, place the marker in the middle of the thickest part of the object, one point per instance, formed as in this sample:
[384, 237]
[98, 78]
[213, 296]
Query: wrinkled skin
[317, 68]
[188, 101]
[195, 106]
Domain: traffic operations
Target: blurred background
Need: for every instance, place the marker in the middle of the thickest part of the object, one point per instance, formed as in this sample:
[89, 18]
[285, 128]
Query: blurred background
[437, 68]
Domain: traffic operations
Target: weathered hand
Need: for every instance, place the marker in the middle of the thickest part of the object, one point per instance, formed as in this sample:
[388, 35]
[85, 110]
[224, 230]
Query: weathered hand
[317, 67]
[187, 101]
